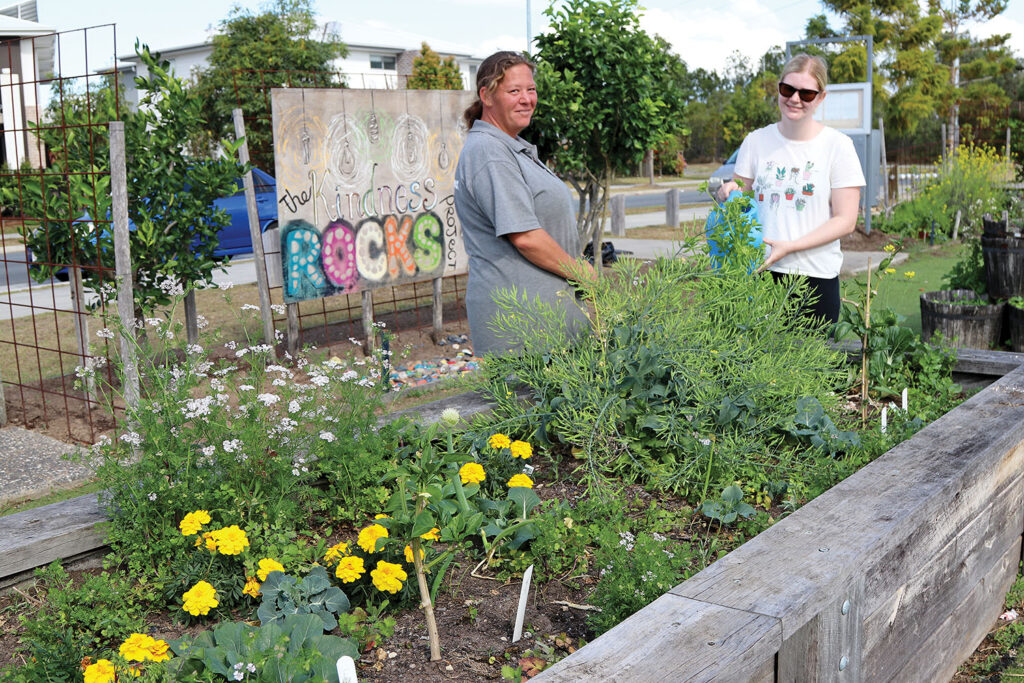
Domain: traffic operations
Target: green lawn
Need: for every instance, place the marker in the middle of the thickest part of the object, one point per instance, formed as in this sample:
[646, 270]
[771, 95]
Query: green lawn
[902, 293]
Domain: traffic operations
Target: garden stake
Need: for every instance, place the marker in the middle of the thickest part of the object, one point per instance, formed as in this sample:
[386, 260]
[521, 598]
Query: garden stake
[347, 670]
[885, 415]
[524, 593]
[864, 353]
[904, 399]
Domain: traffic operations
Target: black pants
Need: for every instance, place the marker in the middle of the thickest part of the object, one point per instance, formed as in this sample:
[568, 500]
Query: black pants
[822, 296]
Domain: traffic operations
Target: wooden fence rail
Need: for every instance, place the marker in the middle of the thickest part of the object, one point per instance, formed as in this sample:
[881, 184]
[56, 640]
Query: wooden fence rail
[895, 573]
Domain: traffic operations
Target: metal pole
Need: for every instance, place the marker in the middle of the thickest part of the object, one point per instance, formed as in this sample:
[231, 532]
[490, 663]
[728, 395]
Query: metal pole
[529, 29]
[123, 263]
[254, 232]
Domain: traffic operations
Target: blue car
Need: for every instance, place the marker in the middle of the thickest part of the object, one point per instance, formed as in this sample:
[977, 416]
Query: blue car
[234, 238]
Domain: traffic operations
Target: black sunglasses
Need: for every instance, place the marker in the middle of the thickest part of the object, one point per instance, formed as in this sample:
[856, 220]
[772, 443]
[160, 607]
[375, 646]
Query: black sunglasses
[786, 90]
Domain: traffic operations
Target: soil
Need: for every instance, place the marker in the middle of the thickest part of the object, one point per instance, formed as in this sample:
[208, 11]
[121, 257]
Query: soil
[858, 240]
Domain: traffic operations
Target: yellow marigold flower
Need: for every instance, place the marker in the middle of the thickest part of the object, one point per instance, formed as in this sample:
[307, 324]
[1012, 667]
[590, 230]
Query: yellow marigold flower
[350, 569]
[193, 522]
[200, 599]
[101, 672]
[909, 273]
[432, 535]
[472, 473]
[890, 270]
[135, 647]
[381, 515]
[158, 651]
[268, 565]
[369, 536]
[498, 441]
[209, 540]
[336, 552]
[408, 554]
[388, 577]
[252, 587]
[521, 449]
[230, 540]
[520, 480]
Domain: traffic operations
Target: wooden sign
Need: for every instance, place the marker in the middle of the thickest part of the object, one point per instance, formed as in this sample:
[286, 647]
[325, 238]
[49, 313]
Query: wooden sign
[364, 187]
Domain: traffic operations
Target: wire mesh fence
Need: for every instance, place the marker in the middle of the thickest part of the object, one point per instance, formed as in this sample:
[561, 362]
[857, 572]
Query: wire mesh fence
[337, 318]
[54, 186]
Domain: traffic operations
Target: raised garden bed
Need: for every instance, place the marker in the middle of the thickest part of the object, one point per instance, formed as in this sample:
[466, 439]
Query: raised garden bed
[895, 573]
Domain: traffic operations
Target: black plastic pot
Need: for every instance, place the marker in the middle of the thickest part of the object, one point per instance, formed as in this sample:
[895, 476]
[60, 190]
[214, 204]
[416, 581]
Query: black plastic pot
[964, 325]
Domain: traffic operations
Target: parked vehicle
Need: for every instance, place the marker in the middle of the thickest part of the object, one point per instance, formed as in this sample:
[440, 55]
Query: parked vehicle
[234, 238]
[723, 173]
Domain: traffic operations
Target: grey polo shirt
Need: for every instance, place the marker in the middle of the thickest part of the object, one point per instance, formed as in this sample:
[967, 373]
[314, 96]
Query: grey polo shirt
[501, 187]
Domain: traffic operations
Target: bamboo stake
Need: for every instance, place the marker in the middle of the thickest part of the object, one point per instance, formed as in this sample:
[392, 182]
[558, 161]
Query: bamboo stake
[864, 354]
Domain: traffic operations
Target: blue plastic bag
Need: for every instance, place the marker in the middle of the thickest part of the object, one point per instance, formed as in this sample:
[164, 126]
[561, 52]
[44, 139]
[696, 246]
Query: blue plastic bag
[748, 222]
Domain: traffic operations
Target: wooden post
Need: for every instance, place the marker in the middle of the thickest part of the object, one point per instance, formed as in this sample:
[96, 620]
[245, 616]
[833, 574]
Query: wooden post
[292, 311]
[368, 329]
[618, 207]
[672, 208]
[649, 165]
[191, 319]
[123, 263]
[257, 237]
[81, 314]
[438, 310]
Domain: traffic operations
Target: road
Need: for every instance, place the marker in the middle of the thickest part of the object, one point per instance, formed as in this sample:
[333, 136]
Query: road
[656, 200]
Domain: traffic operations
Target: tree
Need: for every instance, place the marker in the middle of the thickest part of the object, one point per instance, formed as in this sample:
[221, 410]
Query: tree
[603, 98]
[952, 46]
[255, 52]
[430, 72]
[169, 196]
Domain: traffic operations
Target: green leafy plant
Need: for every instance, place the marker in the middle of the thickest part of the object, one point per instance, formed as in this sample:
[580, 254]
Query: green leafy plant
[292, 649]
[367, 626]
[728, 506]
[635, 570]
[77, 619]
[812, 425]
[284, 595]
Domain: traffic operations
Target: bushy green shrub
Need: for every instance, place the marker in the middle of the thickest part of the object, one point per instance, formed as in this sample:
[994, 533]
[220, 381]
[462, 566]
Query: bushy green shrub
[75, 621]
[688, 376]
[244, 439]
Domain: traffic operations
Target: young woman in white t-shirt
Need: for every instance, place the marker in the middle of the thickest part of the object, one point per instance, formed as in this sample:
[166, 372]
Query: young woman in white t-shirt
[806, 180]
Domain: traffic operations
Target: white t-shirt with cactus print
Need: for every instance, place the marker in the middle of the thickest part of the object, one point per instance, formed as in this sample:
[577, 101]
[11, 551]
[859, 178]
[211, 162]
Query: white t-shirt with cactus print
[793, 183]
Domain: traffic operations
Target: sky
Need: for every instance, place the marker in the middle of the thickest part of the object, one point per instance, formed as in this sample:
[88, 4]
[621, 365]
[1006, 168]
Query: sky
[704, 33]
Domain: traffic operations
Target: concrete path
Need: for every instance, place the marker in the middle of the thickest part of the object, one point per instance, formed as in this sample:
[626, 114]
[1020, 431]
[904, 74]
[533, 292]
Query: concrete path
[33, 465]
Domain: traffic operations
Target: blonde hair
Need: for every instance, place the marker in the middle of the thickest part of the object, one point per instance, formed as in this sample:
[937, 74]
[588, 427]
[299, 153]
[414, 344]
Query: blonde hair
[489, 76]
[805, 63]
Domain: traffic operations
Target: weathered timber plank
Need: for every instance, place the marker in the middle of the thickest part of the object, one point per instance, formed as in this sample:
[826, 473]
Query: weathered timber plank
[971, 361]
[676, 639]
[36, 537]
[917, 495]
[897, 630]
[829, 647]
[966, 627]
[983, 361]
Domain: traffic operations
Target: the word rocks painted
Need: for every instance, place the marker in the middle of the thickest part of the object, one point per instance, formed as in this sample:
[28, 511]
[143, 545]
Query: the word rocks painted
[364, 188]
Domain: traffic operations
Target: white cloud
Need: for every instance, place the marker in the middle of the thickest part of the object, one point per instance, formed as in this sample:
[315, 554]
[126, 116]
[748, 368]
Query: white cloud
[705, 37]
[1003, 24]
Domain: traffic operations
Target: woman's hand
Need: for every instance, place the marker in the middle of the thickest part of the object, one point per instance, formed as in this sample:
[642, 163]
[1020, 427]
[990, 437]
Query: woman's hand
[725, 188]
[779, 250]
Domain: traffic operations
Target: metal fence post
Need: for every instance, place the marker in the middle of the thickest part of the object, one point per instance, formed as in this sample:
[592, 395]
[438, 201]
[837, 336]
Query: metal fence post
[254, 231]
[123, 263]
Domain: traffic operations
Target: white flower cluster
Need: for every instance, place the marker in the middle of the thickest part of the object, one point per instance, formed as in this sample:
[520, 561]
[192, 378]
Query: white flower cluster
[230, 446]
[197, 407]
[105, 333]
[268, 399]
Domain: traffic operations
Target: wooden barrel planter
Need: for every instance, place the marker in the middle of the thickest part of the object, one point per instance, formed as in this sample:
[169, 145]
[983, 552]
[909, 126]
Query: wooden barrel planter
[1004, 266]
[1015, 322]
[972, 326]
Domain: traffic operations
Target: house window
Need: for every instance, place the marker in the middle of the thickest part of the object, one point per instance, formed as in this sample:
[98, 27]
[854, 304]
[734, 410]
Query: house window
[382, 62]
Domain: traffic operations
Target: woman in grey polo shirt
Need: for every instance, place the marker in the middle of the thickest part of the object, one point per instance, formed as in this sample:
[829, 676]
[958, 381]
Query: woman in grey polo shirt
[517, 219]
